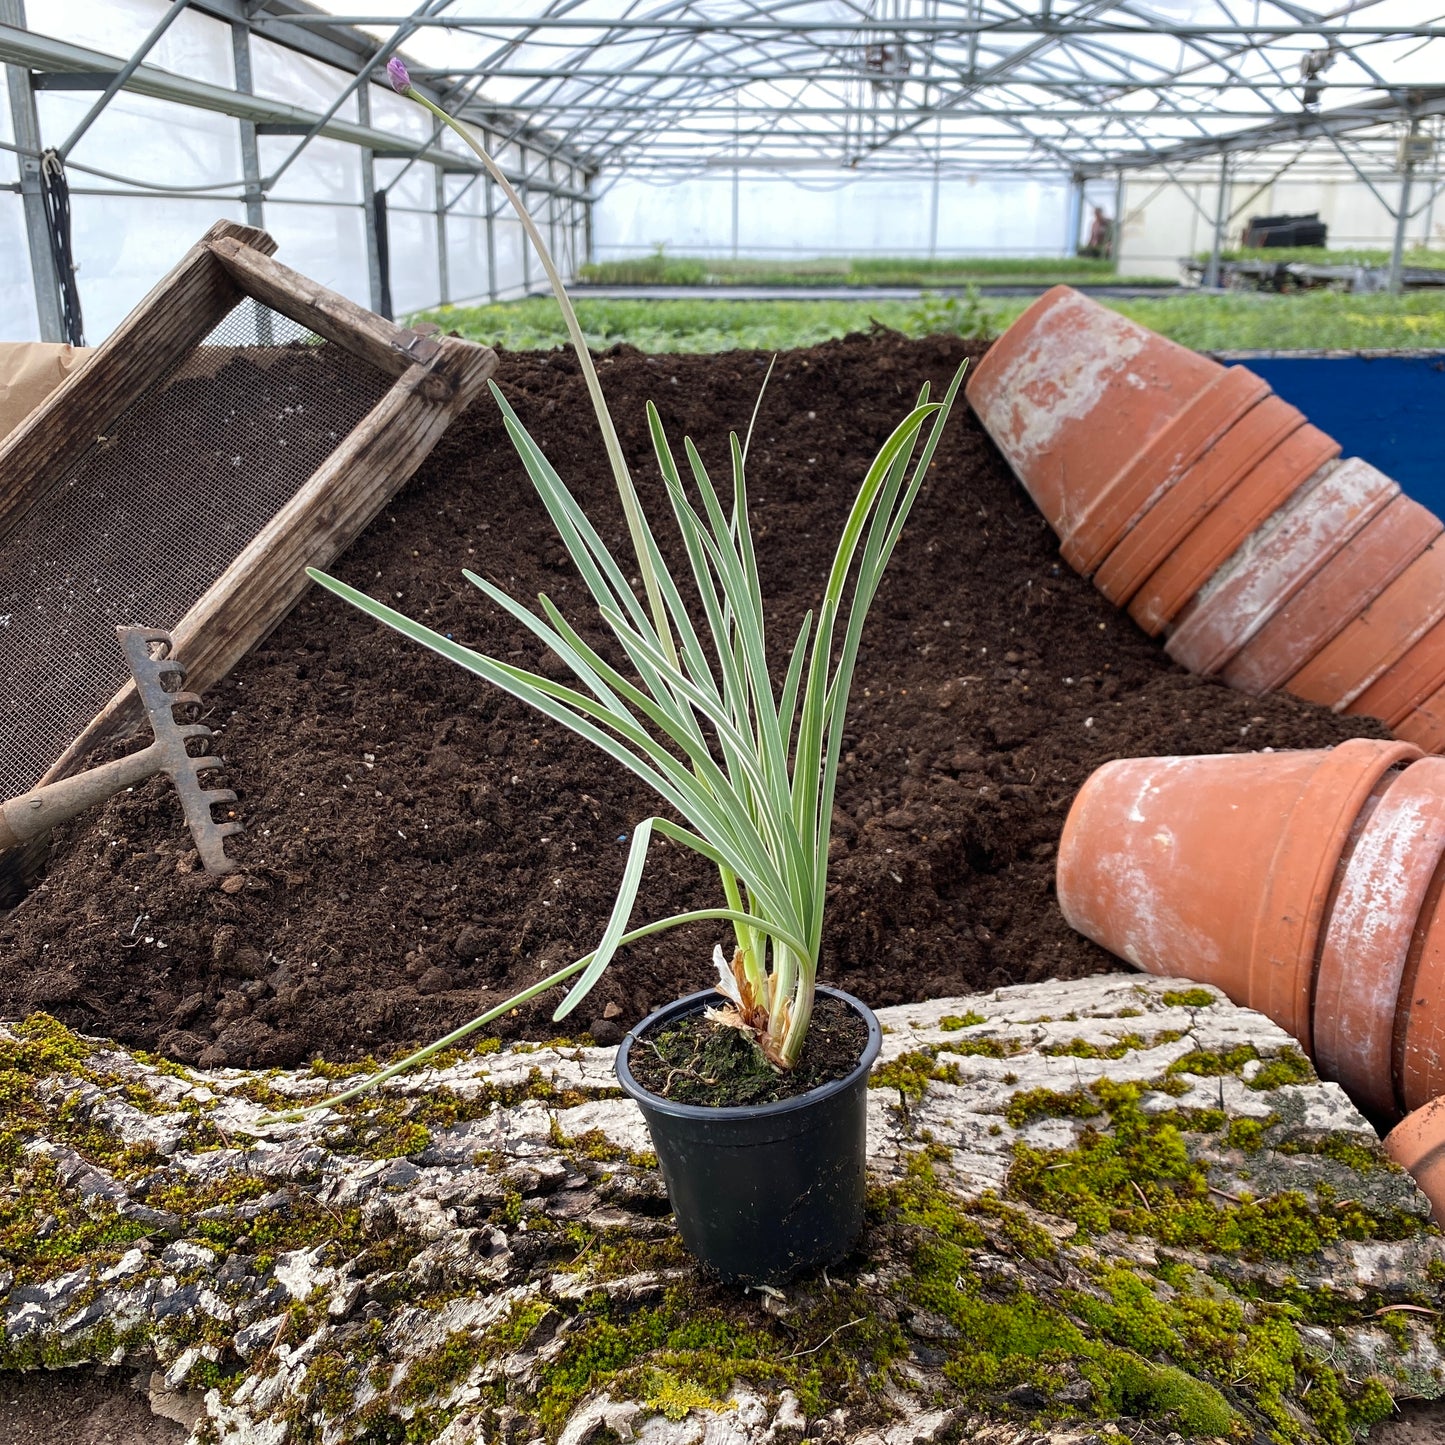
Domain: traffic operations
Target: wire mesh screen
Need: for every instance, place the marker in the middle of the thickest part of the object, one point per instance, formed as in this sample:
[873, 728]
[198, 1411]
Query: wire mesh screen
[153, 514]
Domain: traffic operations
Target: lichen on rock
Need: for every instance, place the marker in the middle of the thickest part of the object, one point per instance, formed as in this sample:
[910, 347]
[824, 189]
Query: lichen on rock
[1113, 1204]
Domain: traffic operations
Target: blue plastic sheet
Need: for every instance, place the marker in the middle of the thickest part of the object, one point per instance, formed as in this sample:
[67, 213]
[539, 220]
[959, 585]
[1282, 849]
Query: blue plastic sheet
[1390, 410]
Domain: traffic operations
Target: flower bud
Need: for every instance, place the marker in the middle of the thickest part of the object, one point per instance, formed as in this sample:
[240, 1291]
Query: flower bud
[400, 80]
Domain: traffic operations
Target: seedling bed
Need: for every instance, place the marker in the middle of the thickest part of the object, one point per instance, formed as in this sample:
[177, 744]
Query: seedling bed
[419, 846]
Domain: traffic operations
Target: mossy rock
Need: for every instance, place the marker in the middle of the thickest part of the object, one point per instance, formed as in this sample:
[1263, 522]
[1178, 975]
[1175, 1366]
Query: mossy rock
[1115, 1205]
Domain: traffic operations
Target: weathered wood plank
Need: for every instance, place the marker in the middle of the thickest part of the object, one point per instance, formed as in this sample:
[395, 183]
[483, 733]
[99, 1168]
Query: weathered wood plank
[173, 317]
[388, 347]
[338, 502]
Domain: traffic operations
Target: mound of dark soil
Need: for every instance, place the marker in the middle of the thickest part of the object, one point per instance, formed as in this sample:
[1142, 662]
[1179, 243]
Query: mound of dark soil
[419, 846]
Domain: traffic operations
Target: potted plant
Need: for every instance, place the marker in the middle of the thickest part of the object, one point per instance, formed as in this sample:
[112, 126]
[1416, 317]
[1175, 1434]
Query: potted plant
[760, 1139]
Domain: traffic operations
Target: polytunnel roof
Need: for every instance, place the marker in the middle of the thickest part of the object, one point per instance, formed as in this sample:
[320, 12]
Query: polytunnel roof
[1079, 86]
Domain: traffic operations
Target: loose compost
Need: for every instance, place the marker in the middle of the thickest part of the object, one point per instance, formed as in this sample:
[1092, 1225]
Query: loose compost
[419, 846]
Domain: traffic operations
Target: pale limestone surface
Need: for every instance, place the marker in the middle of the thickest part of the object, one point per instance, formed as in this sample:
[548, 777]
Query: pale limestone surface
[476, 1196]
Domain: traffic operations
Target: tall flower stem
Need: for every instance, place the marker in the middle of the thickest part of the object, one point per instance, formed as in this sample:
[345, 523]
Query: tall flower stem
[630, 506]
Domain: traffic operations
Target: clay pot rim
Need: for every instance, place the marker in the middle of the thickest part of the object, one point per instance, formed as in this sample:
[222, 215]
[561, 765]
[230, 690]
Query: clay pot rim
[1188, 437]
[1268, 485]
[1312, 840]
[1202, 487]
[1354, 1031]
[1423, 529]
[1238, 571]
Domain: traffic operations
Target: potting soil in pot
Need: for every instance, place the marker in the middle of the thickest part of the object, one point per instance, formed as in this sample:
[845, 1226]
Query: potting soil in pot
[420, 846]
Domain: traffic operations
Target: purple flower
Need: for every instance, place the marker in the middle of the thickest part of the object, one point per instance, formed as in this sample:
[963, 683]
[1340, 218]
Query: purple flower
[400, 80]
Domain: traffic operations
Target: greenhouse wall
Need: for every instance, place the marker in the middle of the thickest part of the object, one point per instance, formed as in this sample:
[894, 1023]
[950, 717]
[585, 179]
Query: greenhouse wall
[802, 215]
[1164, 221]
[151, 175]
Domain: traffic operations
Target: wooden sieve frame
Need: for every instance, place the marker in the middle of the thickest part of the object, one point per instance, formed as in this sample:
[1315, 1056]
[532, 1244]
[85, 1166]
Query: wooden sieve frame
[435, 380]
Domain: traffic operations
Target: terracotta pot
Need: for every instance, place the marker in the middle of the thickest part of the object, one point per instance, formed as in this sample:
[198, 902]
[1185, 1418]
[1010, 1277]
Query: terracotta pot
[1402, 688]
[1334, 597]
[1417, 1143]
[1387, 873]
[1419, 1037]
[1219, 868]
[1277, 560]
[1378, 637]
[1180, 509]
[1425, 725]
[1157, 468]
[1216, 536]
[1072, 393]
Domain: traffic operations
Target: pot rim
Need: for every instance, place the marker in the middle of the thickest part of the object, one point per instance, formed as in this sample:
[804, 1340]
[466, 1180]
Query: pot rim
[692, 1003]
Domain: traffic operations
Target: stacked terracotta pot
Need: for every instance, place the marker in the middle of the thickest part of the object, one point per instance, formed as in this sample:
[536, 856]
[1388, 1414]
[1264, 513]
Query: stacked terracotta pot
[1306, 885]
[1219, 516]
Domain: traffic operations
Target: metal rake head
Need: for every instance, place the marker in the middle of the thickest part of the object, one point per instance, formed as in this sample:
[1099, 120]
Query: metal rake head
[150, 674]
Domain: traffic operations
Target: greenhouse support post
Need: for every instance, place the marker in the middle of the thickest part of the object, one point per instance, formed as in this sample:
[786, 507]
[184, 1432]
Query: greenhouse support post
[525, 192]
[491, 210]
[1076, 214]
[1402, 214]
[439, 206]
[933, 217]
[1116, 240]
[587, 221]
[250, 150]
[371, 218]
[1221, 223]
[26, 123]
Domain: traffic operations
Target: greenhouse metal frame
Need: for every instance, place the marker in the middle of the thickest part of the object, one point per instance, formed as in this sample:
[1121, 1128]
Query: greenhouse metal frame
[572, 94]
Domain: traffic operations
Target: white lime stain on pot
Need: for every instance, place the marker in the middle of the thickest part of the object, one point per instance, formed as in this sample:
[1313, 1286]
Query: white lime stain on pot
[1276, 560]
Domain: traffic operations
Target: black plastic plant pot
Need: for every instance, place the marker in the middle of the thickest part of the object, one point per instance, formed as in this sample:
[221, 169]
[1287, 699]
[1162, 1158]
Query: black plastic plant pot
[763, 1191]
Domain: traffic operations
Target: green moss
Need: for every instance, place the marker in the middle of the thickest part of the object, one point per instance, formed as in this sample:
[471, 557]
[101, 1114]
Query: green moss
[1020, 1233]
[1136, 1387]
[1024, 1339]
[431, 1376]
[1031, 1104]
[1083, 1049]
[1189, 998]
[1209, 1064]
[951, 1023]
[1289, 1066]
[598, 1148]
[1246, 1134]
[911, 1073]
[675, 1399]
[1139, 1177]
[1357, 1152]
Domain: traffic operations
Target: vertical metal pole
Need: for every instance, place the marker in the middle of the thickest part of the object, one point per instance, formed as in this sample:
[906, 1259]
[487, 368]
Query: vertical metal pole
[737, 160]
[1221, 223]
[27, 138]
[587, 220]
[250, 149]
[490, 205]
[1402, 216]
[1117, 239]
[736, 173]
[439, 206]
[368, 203]
[1076, 217]
[527, 202]
[552, 216]
[933, 216]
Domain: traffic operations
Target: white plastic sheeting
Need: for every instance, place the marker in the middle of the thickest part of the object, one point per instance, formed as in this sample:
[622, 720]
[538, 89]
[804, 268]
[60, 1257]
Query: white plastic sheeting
[813, 216]
[150, 176]
[666, 115]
